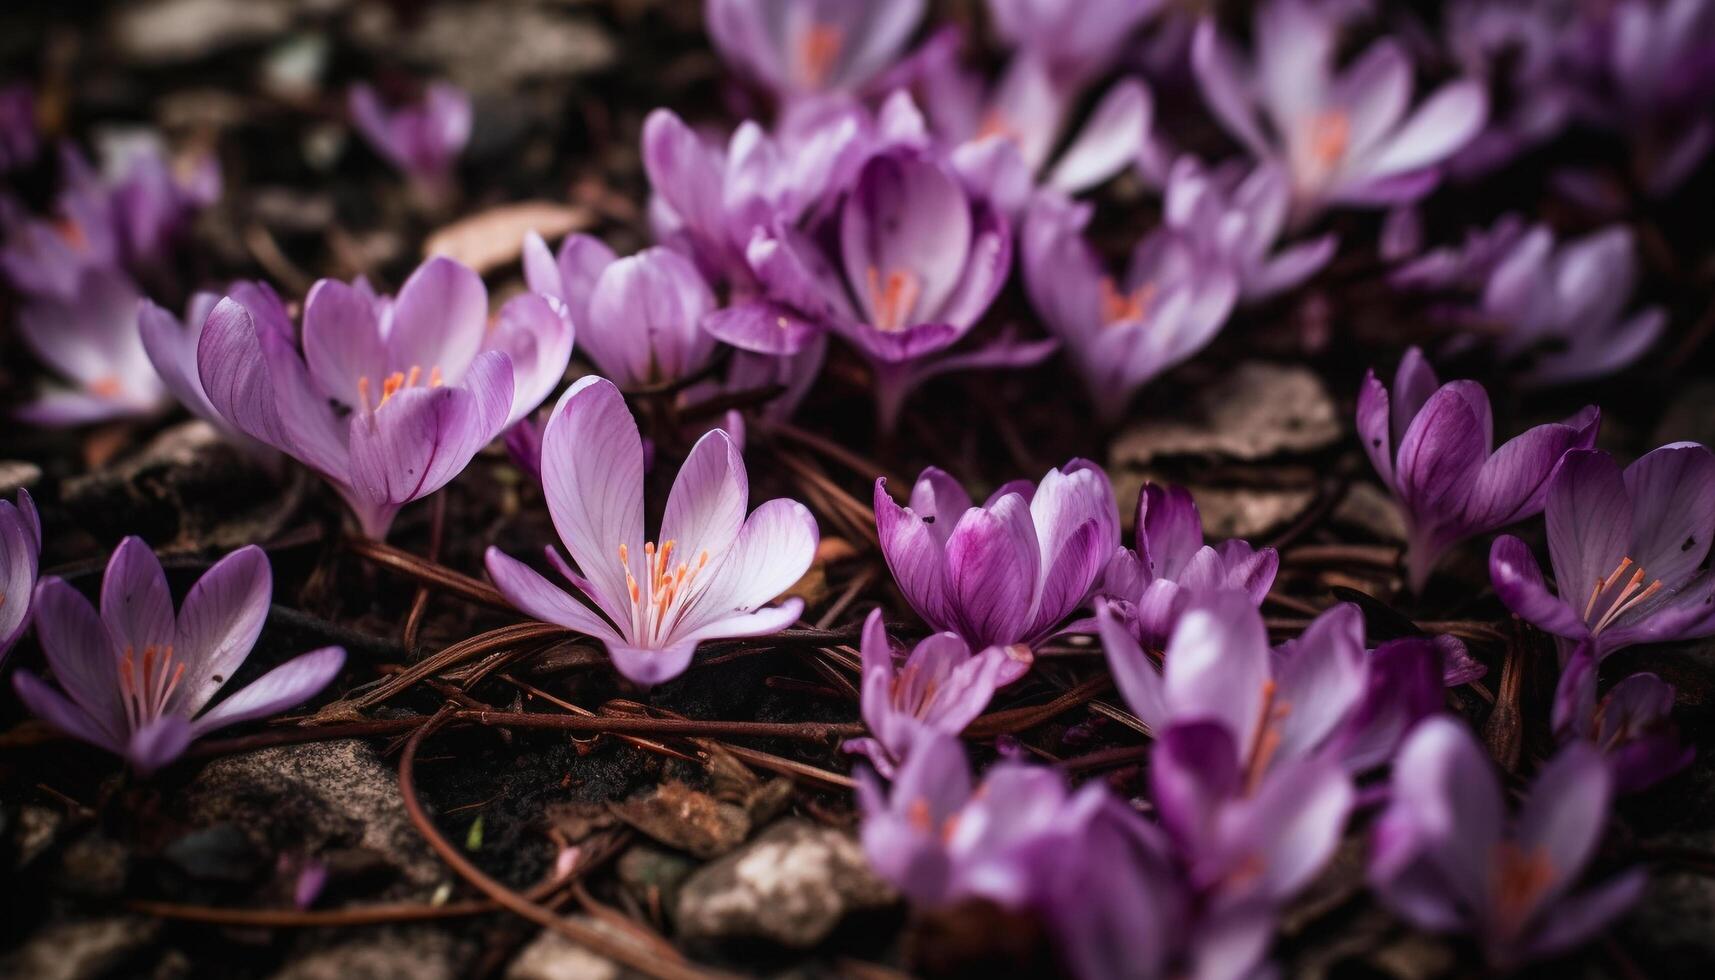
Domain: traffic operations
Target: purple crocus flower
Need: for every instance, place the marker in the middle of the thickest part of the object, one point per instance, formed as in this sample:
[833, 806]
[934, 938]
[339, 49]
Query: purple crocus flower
[1009, 572]
[1629, 550]
[89, 336]
[136, 677]
[1122, 333]
[1149, 587]
[1345, 139]
[19, 140]
[1433, 447]
[1446, 857]
[388, 399]
[422, 140]
[1467, 266]
[941, 687]
[1632, 724]
[915, 260]
[639, 318]
[1517, 49]
[1075, 39]
[20, 550]
[709, 577]
[1237, 216]
[801, 48]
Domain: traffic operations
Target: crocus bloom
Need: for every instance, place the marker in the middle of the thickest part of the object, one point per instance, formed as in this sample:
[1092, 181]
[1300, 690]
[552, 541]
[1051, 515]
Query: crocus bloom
[90, 337]
[422, 140]
[1466, 266]
[941, 687]
[1446, 857]
[1172, 566]
[915, 261]
[1009, 572]
[1238, 216]
[1074, 38]
[799, 48]
[1632, 724]
[20, 549]
[1629, 550]
[388, 399]
[19, 141]
[137, 676]
[1344, 138]
[1433, 447]
[638, 318]
[1517, 48]
[1122, 333]
[712, 571]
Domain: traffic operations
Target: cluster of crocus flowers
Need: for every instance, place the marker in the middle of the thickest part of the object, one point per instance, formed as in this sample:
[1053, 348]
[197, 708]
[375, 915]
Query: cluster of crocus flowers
[1345, 137]
[1006, 574]
[1632, 724]
[136, 677]
[1148, 587]
[89, 337]
[1432, 445]
[639, 319]
[388, 399]
[941, 687]
[708, 575]
[424, 139]
[20, 551]
[1629, 549]
[1447, 858]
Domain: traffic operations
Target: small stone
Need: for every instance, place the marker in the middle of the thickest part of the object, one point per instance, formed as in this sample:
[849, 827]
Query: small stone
[185, 30]
[681, 817]
[17, 474]
[792, 885]
[218, 853]
[37, 828]
[551, 956]
[94, 866]
[1257, 411]
[421, 953]
[80, 950]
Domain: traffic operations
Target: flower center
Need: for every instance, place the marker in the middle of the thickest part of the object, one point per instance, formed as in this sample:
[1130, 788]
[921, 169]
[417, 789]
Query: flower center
[104, 387]
[147, 682]
[1614, 599]
[1118, 307]
[818, 50]
[655, 608]
[1518, 881]
[1266, 742]
[72, 232]
[1329, 135]
[902, 685]
[393, 383]
[891, 298]
[996, 124]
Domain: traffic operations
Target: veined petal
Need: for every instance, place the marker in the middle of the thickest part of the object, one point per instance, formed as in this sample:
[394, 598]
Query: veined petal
[993, 562]
[1138, 679]
[220, 620]
[290, 684]
[439, 320]
[914, 553]
[52, 707]
[82, 655]
[343, 344]
[773, 550]
[136, 605]
[1519, 583]
[541, 599]
[705, 508]
[1589, 517]
[592, 476]
[530, 331]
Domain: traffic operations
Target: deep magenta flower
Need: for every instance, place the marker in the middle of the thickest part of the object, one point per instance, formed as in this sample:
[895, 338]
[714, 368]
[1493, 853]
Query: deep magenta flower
[1344, 138]
[1121, 333]
[800, 48]
[1007, 573]
[639, 319]
[388, 399]
[941, 687]
[20, 551]
[1446, 857]
[910, 265]
[709, 577]
[422, 140]
[136, 677]
[1632, 724]
[1433, 447]
[1629, 551]
[1148, 588]
[90, 338]
[19, 139]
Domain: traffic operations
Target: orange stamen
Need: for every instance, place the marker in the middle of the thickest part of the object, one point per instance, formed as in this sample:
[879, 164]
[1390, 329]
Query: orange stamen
[1118, 307]
[891, 301]
[1518, 881]
[818, 51]
[106, 387]
[1330, 136]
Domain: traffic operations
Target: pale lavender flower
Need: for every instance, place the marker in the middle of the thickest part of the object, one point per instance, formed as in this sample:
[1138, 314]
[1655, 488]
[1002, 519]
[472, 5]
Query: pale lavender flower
[639, 318]
[1007, 573]
[1446, 857]
[388, 399]
[1075, 39]
[1149, 587]
[20, 552]
[1518, 50]
[89, 337]
[1433, 447]
[1238, 217]
[1344, 138]
[801, 48]
[941, 687]
[1629, 551]
[136, 677]
[423, 140]
[709, 578]
[1122, 333]
[1632, 724]
[1467, 266]
[19, 140]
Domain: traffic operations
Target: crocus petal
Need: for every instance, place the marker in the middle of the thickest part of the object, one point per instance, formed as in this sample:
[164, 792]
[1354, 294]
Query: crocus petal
[683, 170]
[1512, 483]
[290, 684]
[906, 216]
[1321, 676]
[1292, 825]
[541, 599]
[311, 429]
[1446, 784]
[220, 620]
[761, 327]
[1217, 663]
[992, 563]
[1564, 813]
[1672, 490]
[228, 355]
[1137, 677]
[52, 707]
[773, 550]
[705, 508]
[343, 343]
[1519, 583]
[914, 553]
[1442, 449]
[1578, 917]
[1442, 124]
[1194, 767]
[1110, 140]
[645, 318]
[538, 340]
[439, 319]
[1225, 87]
[940, 501]
[592, 476]
[136, 605]
[157, 743]
[1589, 518]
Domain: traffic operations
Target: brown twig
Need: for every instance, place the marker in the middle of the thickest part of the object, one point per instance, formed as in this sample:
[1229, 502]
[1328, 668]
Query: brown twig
[1014, 720]
[426, 572]
[420, 604]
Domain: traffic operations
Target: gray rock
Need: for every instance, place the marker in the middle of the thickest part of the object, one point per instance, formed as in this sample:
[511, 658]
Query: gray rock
[80, 950]
[792, 884]
[183, 30]
[418, 953]
[1257, 411]
[551, 956]
[653, 875]
[94, 866]
[311, 797]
